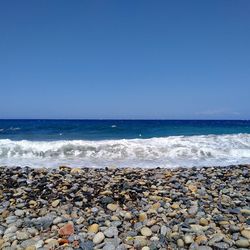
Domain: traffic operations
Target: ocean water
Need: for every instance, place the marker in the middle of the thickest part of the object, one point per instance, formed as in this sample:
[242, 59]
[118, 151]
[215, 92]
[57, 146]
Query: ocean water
[124, 143]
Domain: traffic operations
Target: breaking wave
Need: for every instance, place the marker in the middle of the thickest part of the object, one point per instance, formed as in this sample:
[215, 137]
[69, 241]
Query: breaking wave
[184, 151]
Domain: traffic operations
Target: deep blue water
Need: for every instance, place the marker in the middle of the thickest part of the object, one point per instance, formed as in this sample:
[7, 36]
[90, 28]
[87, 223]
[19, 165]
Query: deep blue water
[115, 129]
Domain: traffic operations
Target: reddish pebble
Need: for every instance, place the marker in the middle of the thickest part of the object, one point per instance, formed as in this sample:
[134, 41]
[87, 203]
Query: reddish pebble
[63, 241]
[66, 230]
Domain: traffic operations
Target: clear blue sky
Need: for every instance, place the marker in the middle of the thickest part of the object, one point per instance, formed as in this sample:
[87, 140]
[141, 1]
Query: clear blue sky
[125, 59]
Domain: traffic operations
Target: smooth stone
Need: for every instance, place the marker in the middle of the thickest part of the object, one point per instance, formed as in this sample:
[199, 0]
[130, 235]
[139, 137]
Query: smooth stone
[27, 243]
[22, 235]
[32, 231]
[80, 221]
[98, 238]
[193, 246]
[94, 228]
[57, 220]
[145, 231]
[114, 241]
[245, 233]
[66, 230]
[122, 247]
[203, 221]
[42, 222]
[234, 229]
[188, 239]
[215, 238]
[193, 210]
[155, 228]
[112, 207]
[197, 228]
[39, 244]
[180, 243]
[145, 248]
[164, 230]
[11, 219]
[106, 200]
[116, 223]
[19, 212]
[109, 246]
[87, 245]
[94, 210]
[245, 211]
[143, 217]
[128, 216]
[111, 232]
[52, 243]
[79, 203]
[201, 239]
[11, 229]
[55, 203]
[140, 241]
[242, 243]
[175, 206]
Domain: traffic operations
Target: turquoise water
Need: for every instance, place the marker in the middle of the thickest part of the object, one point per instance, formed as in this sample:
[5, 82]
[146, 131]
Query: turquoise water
[124, 143]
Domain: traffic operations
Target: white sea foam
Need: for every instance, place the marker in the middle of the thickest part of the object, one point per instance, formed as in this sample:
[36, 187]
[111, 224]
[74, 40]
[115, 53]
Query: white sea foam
[186, 151]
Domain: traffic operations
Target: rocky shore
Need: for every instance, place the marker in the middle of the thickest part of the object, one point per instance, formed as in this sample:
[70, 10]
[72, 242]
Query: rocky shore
[64, 208]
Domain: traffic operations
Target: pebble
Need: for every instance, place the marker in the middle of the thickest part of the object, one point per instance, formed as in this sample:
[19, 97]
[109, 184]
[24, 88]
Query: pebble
[28, 243]
[156, 209]
[57, 220]
[112, 207]
[86, 245]
[242, 243]
[94, 228]
[245, 211]
[22, 235]
[193, 210]
[188, 239]
[246, 233]
[111, 232]
[180, 243]
[140, 241]
[164, 230]
[203, 222]
[128, 216]
[234, 229]
[98, 238]
[143, 217]
[11, 229]
[52, 243]
[155, 228]
[109, 246]
[66, 230]
[145, 231]
[19, 213]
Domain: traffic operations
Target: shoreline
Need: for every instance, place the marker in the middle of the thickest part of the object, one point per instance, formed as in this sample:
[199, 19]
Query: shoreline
[125, 208]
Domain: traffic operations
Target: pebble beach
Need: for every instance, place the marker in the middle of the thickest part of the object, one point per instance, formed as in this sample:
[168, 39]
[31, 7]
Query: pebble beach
[125, 208]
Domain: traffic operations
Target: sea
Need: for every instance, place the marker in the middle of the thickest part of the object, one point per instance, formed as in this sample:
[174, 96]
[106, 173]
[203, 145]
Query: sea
[124, 143]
